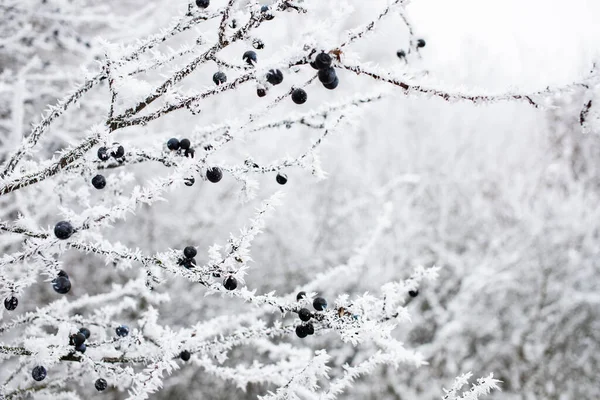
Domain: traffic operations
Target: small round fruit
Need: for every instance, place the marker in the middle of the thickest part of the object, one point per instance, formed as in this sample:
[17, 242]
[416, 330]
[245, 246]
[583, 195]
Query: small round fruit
[281, 179]
[322, 61]
[120, 152]
[189, 181]
[420, 43]
[304, 314]
[39, 373]
[185, 355]
[61, 284]
[319, 304]
[173, 144]
[202, 3]
[250, 57]
[63, 230]
[81, 348]
[100, 384]
[63, 273]
[327, 75]
[99, 182]
[103, 154]
[310, 329]
[301, 331]
[333, 84]
[189, 263]
[300, 295]
[190, 153]
[11, 303]
[219, 78]
[312, 64]
[258, 44]
[299, 96]
[413, 293]
[185, 144]
[230, 283]
[86, 332]
[266, 9]
[78, 339]
[401, 54]
[190, 252]
[274, 76]
[260, 92]
[214, 174]
[122, 330]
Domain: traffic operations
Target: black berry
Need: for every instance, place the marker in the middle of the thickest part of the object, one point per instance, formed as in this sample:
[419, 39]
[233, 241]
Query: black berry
[101, 384]
[81, 348]
[122, 330]
[189, 181]
[261, 92]
[189, 263]
[230, 283]
[214, 174]
[62, 273]
[190, 252]
[413, 293]
[310, 329]
[319, 304]
[420, 43]
[190, 153]
[99, 182]
[61, 284]
[39, 373]
[185, 355]
[86, 332]
[304, 314]
[63, 230]
[327, 75]
[78, 339]
[332, 85]
[250, 57]
[173, 144]
[258, 44]
[219, 78]
[11, 303]
[103, 154]
[274, 76]
[301, 331]
[312, 64]
[185, 144]
[300, 295]
[323, 61]
[281, 179]
[266, 9]
[299, 96]
[202, 3]
[120, 152]
[401, 54]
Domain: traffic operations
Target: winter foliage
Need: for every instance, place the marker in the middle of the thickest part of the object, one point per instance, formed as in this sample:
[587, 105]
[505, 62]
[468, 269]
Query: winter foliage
[242, 199]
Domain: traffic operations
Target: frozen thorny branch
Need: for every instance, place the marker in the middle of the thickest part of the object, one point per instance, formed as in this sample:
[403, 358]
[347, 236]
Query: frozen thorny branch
[136, 358]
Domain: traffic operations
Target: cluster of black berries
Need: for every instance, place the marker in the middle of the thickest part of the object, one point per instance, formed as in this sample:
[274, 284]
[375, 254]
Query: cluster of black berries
[327, 75]
[122, 330]
[188, 259]
[402, 54]
[78, 339]
[175, 144]
[104, 154]
[11, 303]
[307, 328]
[61, 284]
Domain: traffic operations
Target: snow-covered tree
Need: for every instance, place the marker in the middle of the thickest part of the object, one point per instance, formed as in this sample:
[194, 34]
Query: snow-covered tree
[214, 209]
